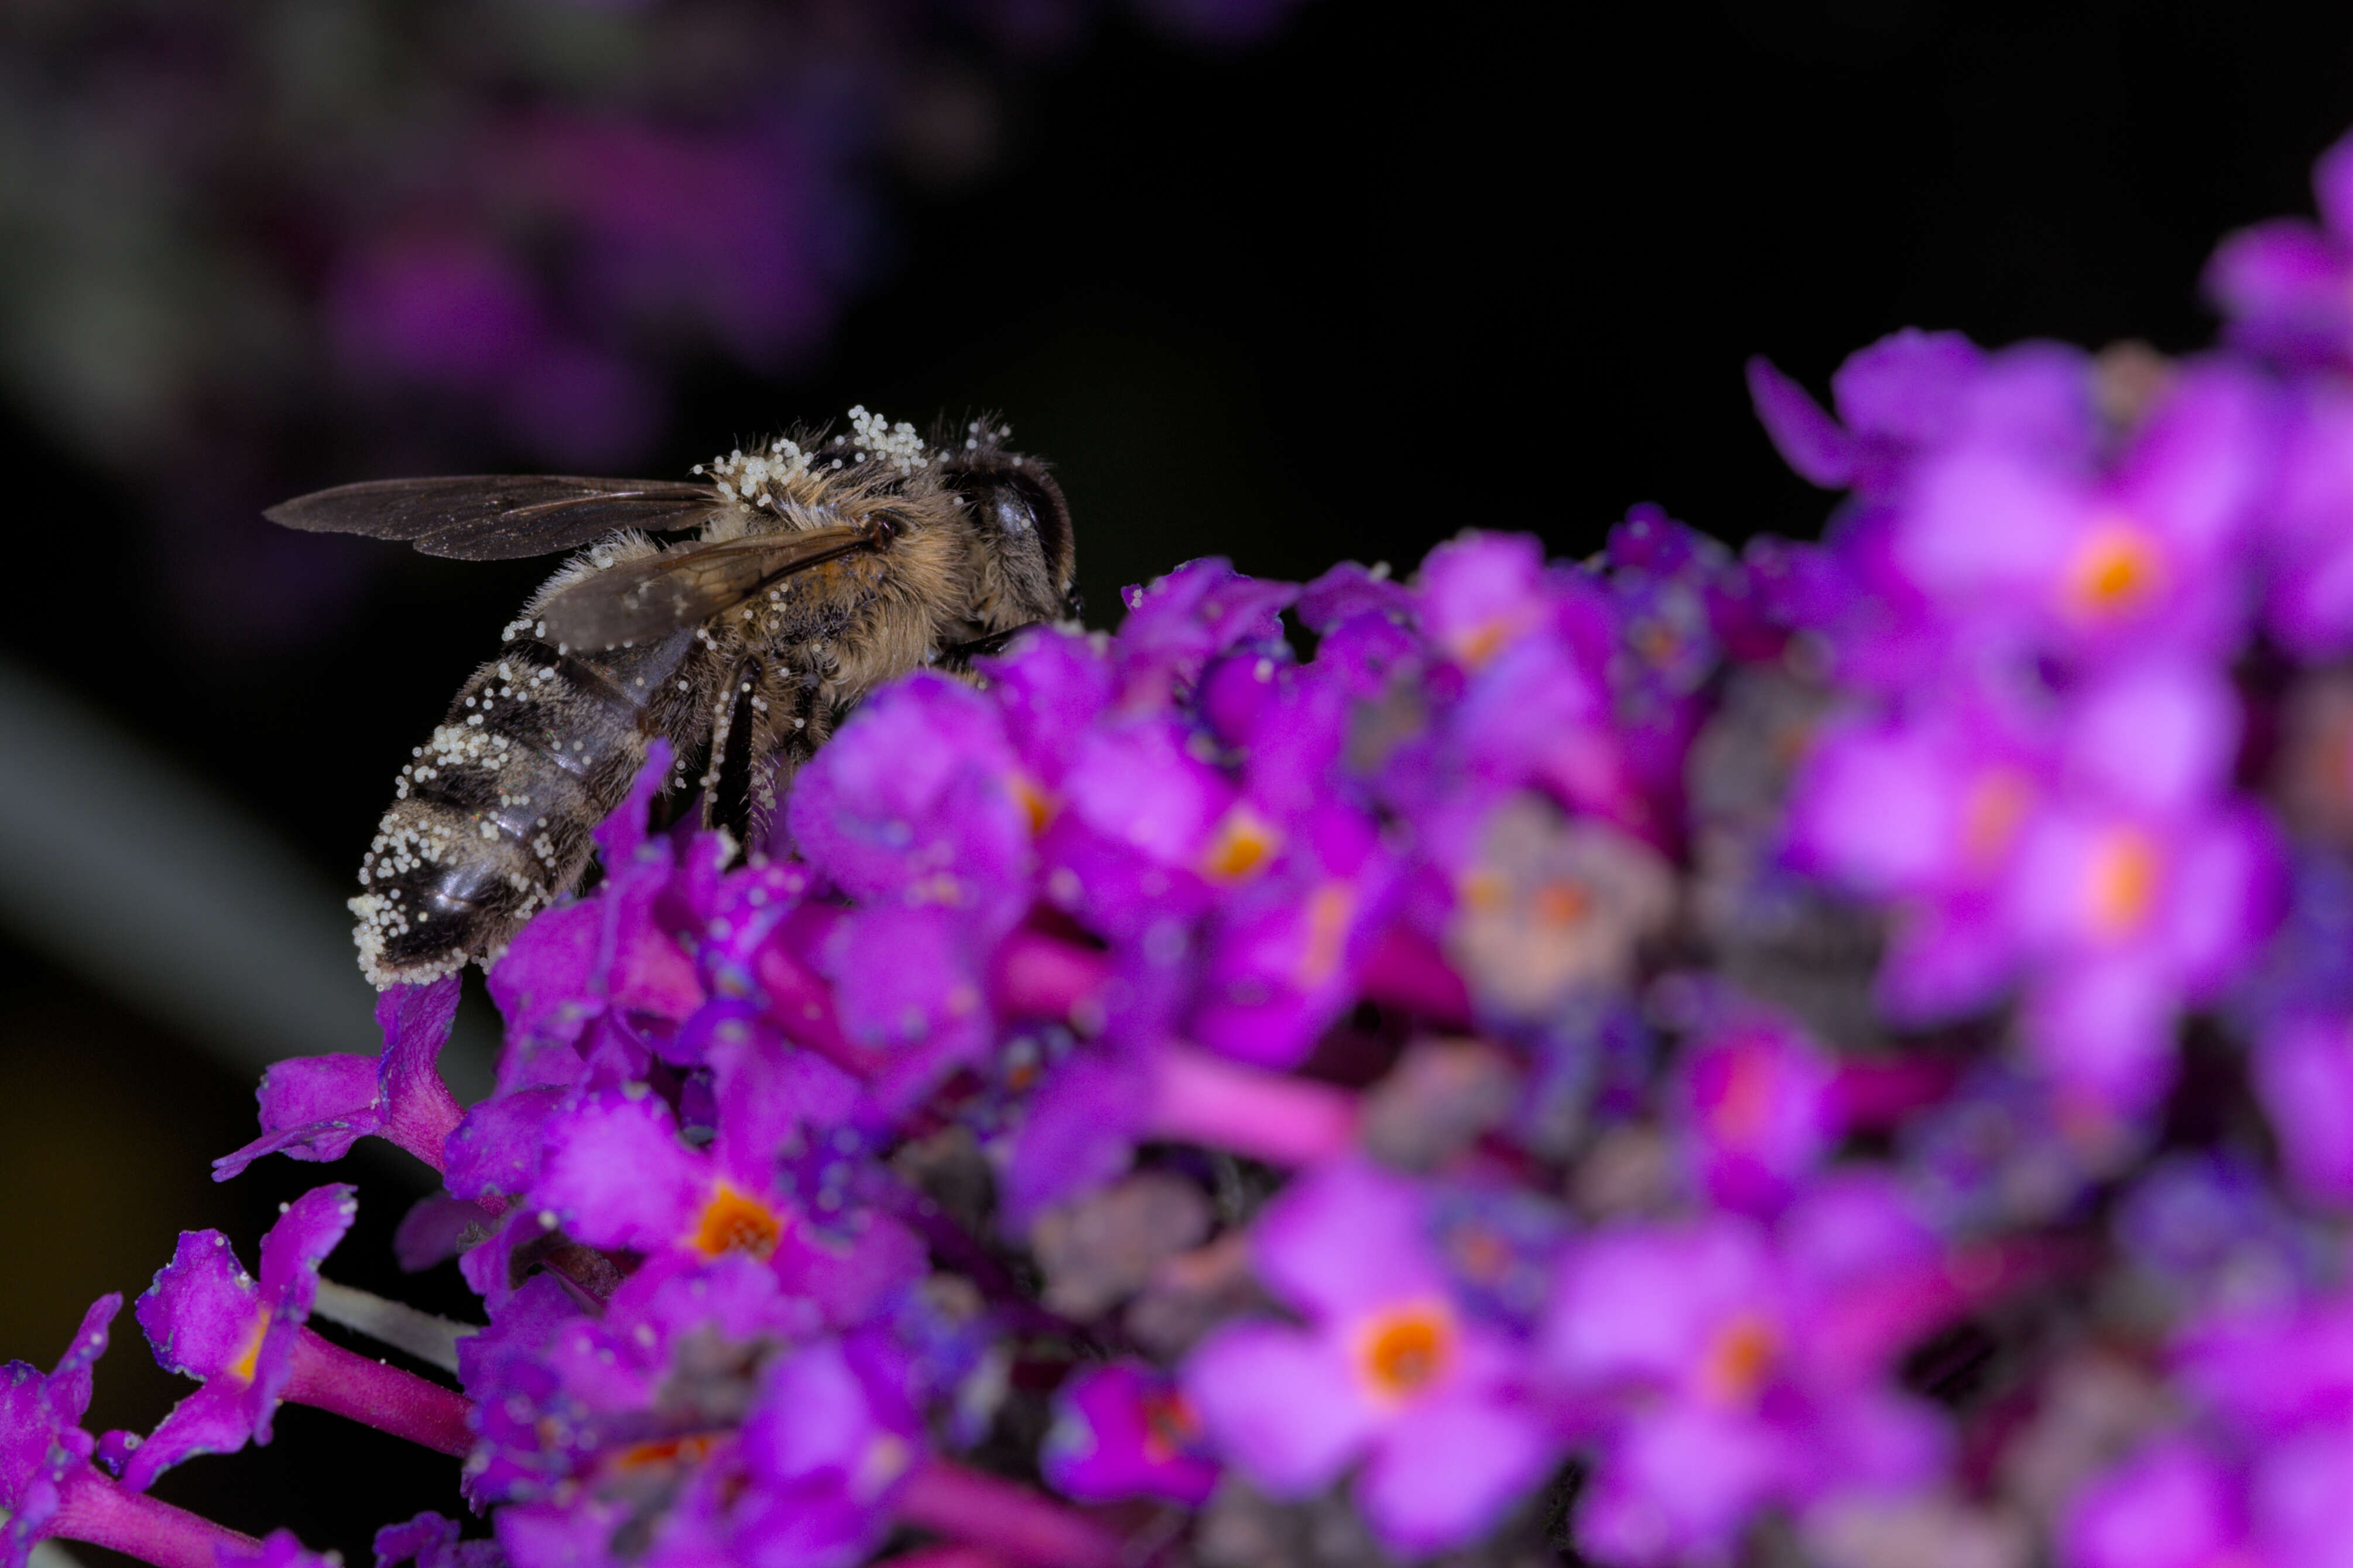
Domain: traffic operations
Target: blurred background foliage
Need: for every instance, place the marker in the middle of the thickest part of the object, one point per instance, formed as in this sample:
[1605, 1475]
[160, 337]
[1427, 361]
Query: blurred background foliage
[1287, 280]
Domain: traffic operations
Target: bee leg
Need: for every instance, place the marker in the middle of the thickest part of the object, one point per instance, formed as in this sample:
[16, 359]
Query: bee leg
[722, 779]
[789, 721]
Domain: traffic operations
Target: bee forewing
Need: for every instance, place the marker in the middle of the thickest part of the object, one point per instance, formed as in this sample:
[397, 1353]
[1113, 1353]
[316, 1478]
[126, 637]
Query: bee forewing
[638, 600]
[497, 517]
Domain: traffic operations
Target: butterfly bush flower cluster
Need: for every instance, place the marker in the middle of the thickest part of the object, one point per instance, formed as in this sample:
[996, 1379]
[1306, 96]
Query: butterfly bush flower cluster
[1837, 1053]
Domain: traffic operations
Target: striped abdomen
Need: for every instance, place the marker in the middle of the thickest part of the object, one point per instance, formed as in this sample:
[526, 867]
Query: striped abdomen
[493, 819]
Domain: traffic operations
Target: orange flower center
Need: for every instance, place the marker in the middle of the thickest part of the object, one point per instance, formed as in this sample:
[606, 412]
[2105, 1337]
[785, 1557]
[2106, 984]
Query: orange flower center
[690, 1450]
[1243, 842]
[1563, 903]
[1997, 804]
[1170, 1426]
[1481, 642]
[2123, 881]
[1329, 911]
[1485, 892]
[1740, 1358]
[1402, 1351]
[733, 1221]
[884, 1460]
[2115, 570]
[242, 1368]
[1036, 804]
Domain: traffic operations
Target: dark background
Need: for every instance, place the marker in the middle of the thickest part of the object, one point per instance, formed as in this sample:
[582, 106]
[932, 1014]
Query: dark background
[1391, 272]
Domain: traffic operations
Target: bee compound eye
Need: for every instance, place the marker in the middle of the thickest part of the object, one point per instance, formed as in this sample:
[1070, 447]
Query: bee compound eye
[1020, 499]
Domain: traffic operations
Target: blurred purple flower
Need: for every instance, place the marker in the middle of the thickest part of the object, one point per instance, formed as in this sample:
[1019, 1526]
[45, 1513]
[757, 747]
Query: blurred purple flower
[1122, 1431]
[1729, 1369]
[1389, 1369]
[1759, 1110]
[2284, 284]
[2032, 543]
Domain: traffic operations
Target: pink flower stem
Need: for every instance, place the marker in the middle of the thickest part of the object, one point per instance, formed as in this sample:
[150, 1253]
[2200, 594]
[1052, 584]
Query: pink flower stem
[1200, 1099]
[1042, 976]
[1406, 970]
[326, 1374]
[1875, 1319]
[94, 1509]
[1879, 1094]
[1009, 1522]
[801, 1004]
[943, 1557]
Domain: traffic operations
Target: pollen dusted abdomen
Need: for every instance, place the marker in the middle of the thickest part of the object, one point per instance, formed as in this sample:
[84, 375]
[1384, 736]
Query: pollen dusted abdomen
[821, 569]
[494, 817]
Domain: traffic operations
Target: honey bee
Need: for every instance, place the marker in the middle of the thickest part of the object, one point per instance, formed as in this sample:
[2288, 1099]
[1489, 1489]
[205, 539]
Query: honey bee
[822, 568]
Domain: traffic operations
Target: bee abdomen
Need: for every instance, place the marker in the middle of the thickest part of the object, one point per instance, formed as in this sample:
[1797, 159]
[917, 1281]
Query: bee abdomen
[493, 819]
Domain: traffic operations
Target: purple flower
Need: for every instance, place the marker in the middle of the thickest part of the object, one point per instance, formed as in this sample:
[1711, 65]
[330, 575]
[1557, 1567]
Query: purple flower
[2270, 1369]
[1176, 626]
[1927, 814]
[316, 1108]
[1759, 1110]
[797, 1464]
[208, 1320]
[1896, 398]
[2144, 886]
[925, 1014]
[2095, 853]
[2170, 1506]
[2028, 543]
[1283, 957]
[1911, 402]
[2308, 554]
[836, 1434]
[44, 1452]
[2176, 1503]
[1729, 1369]
[430, 1540]
[915, 804]
[609, 956]
[1122, 1431]
[616, 1173]
[1078, 1129]
[2284, 284]
[2303, 1070]
[1389, 1368]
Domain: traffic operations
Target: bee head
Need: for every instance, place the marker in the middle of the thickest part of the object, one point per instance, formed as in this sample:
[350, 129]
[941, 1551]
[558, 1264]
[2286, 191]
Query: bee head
[1025, 525]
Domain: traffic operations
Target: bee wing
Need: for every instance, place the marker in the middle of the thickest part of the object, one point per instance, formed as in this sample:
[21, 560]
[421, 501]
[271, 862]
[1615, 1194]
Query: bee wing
[637, 601]
[497, 517]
